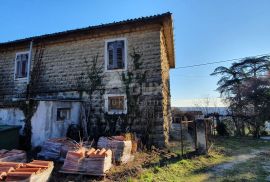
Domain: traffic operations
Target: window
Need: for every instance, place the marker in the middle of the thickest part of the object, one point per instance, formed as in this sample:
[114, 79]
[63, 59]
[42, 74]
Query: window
[21, 65]
[115, 54]
[116, 104]
[63, 114]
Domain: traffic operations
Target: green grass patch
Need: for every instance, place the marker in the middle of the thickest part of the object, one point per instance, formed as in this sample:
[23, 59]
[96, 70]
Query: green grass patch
[251, 170]
[197, 168]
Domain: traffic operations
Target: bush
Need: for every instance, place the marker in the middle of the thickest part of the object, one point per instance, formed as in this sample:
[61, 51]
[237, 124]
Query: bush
[264, 133]
[73, 132]
[222, 129]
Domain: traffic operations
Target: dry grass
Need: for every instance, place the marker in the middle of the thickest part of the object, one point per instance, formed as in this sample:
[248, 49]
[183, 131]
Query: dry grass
[169, 166]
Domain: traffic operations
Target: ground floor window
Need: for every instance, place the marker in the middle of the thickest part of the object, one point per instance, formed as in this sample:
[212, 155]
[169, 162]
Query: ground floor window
[63, 114]
[116, 104]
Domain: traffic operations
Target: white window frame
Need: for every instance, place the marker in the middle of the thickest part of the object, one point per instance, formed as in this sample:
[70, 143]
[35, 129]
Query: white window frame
[15, 66]
[106, 54]
[107, 104]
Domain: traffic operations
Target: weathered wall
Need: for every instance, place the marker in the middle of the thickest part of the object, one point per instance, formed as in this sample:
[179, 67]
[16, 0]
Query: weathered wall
[44, 124]
[201, 136]
[166, 101]
[12, 116]
[64, 63]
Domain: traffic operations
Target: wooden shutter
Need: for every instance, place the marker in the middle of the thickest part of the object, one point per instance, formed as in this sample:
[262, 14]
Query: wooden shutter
[116, 55]
[18, 66]
[23, 68]
[21, 65]
[110, 55]
[120, 54]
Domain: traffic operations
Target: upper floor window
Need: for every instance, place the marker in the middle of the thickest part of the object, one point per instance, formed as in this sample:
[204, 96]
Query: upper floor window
[115, 54]
[21, 65]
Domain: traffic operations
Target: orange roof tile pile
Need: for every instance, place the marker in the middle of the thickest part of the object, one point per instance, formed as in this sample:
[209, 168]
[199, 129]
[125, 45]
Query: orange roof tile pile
[13, 171]
[120, 146]
[88, 161]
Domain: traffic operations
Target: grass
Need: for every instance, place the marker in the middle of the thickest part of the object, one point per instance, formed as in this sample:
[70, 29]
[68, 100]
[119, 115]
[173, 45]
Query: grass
[185, 169]
[169, 166]
[197, 168]
[251, 170]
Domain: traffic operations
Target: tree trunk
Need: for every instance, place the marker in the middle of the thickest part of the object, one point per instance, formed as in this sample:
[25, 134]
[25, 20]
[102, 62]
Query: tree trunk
[84, 122]
[243, 133]
[237, 127]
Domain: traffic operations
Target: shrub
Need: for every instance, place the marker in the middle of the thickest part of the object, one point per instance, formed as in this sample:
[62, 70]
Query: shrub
[73, 132]
[222, 129]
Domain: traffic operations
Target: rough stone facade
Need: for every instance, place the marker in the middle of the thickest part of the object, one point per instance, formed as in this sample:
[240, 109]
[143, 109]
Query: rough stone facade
[64, 63]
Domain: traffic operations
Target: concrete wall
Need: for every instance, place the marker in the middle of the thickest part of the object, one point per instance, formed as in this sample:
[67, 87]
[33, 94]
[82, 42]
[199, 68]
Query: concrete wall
[44, 124]
[12, 116]
[201, 136]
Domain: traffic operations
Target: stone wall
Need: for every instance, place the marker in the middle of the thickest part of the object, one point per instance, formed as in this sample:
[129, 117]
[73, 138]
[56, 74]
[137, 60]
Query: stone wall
[65, 61]
[166, 101]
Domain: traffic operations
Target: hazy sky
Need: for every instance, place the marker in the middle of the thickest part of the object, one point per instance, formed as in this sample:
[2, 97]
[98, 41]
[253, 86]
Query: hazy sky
[205, 31]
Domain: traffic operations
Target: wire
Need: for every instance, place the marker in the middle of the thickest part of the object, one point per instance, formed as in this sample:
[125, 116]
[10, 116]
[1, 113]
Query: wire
[216, 62]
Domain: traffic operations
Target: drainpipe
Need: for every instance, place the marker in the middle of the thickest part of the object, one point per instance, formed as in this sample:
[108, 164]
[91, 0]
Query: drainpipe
[29, 61]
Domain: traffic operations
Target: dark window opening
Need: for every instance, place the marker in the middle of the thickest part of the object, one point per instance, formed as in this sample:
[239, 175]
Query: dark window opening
[63, 114]
[116, 55]
[21, 65]
[116, 103]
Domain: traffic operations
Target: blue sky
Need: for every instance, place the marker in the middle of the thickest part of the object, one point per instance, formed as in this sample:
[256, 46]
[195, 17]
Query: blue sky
[205, 31]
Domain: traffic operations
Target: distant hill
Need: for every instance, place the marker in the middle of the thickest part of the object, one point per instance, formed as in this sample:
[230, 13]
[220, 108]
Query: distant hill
[206, 110]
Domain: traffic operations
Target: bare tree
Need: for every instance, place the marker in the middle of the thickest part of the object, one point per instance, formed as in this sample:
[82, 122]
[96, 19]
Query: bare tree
[90, 83]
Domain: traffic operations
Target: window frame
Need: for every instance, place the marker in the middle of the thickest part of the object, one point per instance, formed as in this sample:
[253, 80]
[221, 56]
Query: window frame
[63, 108]
[27, 67]
[106, 54]
[107, 104]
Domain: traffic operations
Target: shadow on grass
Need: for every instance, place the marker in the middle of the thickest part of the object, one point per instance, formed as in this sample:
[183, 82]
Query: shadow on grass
[167, 159]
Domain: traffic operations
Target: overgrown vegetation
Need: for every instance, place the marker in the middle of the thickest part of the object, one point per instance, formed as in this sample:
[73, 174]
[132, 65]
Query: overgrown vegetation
[199, 168]
[245, 86]
[222, 129]
[164, 165]
[29, 106]
[90, 83]
[96, 123]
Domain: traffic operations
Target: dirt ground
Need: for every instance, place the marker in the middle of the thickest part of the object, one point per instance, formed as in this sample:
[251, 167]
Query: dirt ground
[222, 172]
[120, 172]
[230, 159]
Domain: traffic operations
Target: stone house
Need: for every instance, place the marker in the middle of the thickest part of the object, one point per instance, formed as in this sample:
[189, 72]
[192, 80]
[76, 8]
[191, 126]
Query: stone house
[54, 72]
